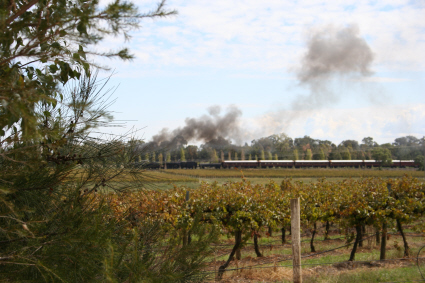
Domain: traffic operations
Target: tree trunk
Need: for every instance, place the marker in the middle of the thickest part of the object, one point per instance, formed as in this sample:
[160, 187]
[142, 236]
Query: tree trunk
[358, 238]
[383, 241]
[238, 254]
[283, 235]
[406, 246]
[327, 231]
[256, 248]
[270, 231]
[238, 242]
[361, 236]
[313, 250]
[184, 238]
[377, 237]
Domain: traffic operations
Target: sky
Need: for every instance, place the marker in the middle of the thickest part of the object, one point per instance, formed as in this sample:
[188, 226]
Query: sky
[262, 56]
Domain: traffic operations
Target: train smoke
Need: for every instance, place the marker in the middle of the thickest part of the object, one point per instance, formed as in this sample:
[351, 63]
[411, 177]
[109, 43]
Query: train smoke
[211, 127]
[332, 54]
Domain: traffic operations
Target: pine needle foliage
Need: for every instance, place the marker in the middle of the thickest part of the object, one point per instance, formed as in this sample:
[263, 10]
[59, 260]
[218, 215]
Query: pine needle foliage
[56, 172]
[56, 221]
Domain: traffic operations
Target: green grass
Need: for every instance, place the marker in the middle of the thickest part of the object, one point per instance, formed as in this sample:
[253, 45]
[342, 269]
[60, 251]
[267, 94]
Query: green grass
[395, 274]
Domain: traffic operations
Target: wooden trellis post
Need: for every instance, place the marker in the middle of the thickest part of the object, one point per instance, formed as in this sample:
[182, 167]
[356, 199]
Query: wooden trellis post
[296, 241]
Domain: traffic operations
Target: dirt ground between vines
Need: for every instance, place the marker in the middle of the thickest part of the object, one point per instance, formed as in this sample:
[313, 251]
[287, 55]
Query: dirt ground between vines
[329, 266]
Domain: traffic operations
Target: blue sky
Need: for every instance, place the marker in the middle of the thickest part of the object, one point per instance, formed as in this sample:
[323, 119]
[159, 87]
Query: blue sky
[246, 53]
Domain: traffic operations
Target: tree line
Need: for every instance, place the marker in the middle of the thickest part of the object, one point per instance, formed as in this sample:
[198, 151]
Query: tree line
[282, 147]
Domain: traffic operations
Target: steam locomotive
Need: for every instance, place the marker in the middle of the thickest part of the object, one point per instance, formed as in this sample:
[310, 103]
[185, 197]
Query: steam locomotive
[276, 164]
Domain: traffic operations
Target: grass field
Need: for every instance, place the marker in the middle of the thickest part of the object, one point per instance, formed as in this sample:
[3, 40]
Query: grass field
[164, 179]
[295, 173]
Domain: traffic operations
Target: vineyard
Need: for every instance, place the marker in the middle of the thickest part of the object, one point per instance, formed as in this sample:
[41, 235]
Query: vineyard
[248, 218]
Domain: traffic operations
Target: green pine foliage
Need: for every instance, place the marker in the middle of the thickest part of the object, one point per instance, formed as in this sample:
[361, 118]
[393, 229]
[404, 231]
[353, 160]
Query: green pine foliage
[57, 222]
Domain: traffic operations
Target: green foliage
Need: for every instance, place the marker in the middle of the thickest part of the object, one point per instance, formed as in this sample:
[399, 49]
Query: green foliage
[419, 159]
[346, 155]
[44, 44]
[269, 155]
[182, 155]
[214, 157]
[57, 223]
[296, 155]
[262, 156]
[308, 154]
[383, 155]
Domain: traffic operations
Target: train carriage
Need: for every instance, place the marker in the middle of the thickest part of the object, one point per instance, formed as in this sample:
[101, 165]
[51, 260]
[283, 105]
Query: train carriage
[346, 163]
[311, 163]
[276, 163]
[210, 165]
[240, 164]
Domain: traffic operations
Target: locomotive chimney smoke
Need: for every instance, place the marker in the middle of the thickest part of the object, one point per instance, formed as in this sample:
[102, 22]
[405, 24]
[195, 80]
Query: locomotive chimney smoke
[205, 128]
[332, 53]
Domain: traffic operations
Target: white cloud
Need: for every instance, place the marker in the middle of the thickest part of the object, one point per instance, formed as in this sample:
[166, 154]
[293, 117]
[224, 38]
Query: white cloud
[268, 35]
[383, 123]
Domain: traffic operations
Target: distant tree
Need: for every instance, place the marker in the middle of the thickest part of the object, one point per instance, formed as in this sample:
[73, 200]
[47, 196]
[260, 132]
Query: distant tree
[229, 155]
[346, 155]
[153, 156]
[383, 155]
[269, 155]
[139, 158]
[182, 155]
[214, 157]
[160, 158]
[308, 154]
[250, 157]
[419, 159]
[350, 143]
[296, 155]
[192, 152]
[242, 154]
[256, 157]
[406, 141]
[368, 142]
[319, 155]
[222, 156]
[168, 157]
[236, 156]
[276, 157]
[147, 157]
[262, 155]
[335, 155]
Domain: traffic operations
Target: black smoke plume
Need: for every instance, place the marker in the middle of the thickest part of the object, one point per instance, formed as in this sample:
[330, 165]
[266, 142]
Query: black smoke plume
[207, 128]
[332, 53]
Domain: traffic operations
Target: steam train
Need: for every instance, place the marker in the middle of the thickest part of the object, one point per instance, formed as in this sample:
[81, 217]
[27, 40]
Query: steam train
[277, 164]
